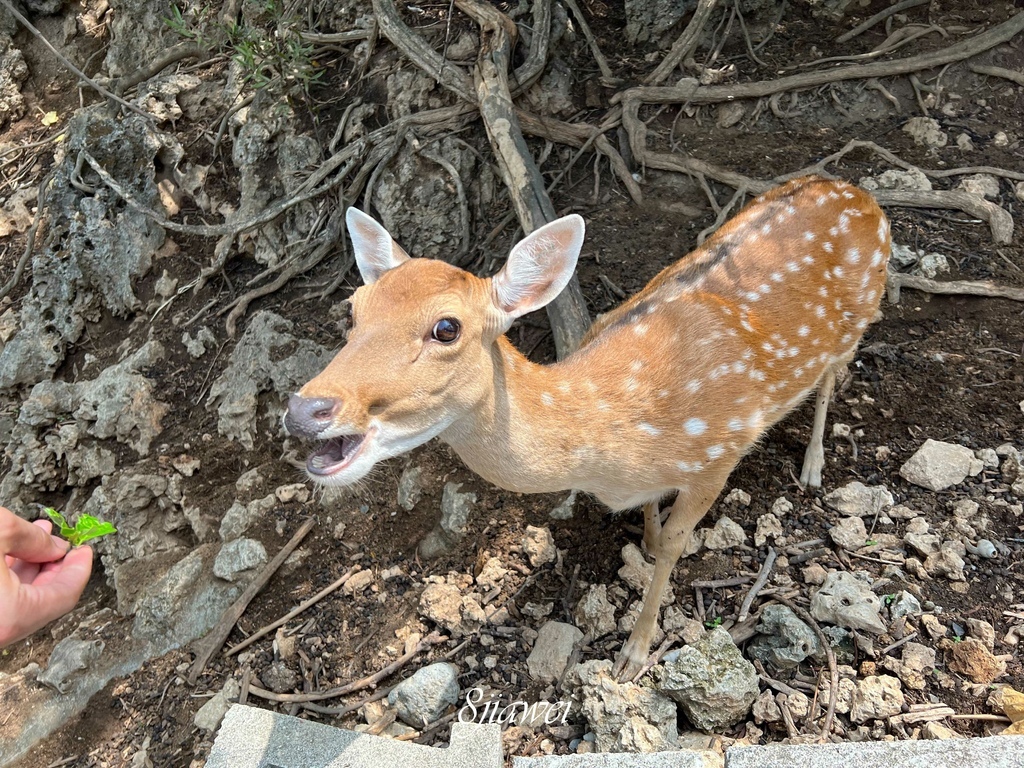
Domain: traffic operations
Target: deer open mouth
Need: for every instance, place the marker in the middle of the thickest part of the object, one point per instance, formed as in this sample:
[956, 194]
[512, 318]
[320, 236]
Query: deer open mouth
[334, 455]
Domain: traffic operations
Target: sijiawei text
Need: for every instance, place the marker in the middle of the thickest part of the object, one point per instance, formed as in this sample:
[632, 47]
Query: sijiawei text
[476, 710]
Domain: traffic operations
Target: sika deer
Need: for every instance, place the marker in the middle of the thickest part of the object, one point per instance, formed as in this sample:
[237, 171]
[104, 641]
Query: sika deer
[666, 393]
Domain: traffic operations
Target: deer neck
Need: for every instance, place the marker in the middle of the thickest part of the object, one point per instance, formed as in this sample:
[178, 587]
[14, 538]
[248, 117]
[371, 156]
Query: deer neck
[521, 435]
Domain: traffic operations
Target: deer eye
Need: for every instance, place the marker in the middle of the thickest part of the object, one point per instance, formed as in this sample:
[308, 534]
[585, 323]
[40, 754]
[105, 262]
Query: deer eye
[446, 330]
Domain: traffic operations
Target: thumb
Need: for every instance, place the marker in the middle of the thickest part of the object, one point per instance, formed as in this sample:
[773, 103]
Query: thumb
[30, 542]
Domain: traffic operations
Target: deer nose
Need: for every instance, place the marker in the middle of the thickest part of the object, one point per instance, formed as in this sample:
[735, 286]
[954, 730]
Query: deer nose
[309, 416]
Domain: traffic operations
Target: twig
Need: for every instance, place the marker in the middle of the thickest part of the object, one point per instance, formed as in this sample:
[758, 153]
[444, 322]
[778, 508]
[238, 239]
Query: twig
[880, 16]
[172, 55]
[833, 669]
[735, 581]
[67, 62]
[758, 585]
[897, 644]
[1006, 74]
[899, 280]
[685, 44]
[215, 638]
[30, 237]
[595, 50]
[356, 685]
[292, 613]
[344, 710]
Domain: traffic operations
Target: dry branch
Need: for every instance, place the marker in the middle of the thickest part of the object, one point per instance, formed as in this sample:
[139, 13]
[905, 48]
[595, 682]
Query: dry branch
[568, 312]
[214, 639]
[694, 93]
[896, 281]
[880, 16]
[999, 221]
[1006, 74]
[685, 44]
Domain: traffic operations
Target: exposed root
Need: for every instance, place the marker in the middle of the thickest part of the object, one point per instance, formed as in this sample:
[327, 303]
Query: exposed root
[896, 281]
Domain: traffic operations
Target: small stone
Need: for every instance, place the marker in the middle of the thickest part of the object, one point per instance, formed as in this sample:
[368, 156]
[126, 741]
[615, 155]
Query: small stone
[539, 546]
[724, 535]
[1018, 190]
[926, 131]
[564, 509]
[931, 265]
[625, 717]
[846, 601]
[883, 453]
[937, 465]
[410, 487]
[849, 533]
[983, 631]
[916, 661]
[765, 710]
[981, 184]
[423, 697]
[904, 604]
[798, 704]
[946, 563]
[492, 575]
[551, 651]
[876, 698]
[973, 659]
[814, 574]
[357, 582]
[935, 629]
[785, 641]
[209, 716]
[455, 509]
[936, 730]
[844, 694]
[738, 497]
[782, 507]
[914, 180]
[858, 500]
[768, 527]
[964, 143]
[279, 677]
[238, 556]
[594, 612]
[1001, 139]
[294, 492]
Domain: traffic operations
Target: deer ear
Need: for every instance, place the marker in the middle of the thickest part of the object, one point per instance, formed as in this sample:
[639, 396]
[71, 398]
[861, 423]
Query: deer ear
[539, 267]
[375, 250]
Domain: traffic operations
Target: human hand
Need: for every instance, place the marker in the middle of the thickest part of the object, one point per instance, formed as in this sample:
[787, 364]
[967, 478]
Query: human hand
[40, 580]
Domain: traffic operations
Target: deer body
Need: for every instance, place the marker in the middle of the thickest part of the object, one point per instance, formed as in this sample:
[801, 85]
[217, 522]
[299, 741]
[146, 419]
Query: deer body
[666, 393]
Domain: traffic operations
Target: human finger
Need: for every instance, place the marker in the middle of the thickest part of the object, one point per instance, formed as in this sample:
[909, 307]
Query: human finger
[23, 540]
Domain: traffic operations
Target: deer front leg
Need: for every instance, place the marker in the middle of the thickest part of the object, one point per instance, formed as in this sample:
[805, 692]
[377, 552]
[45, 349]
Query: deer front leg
[687, 510]
[652, 525]
[814, 457]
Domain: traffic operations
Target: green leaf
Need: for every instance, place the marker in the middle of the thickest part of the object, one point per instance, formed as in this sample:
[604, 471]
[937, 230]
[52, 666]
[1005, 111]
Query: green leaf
[58, 519]
[86, 528]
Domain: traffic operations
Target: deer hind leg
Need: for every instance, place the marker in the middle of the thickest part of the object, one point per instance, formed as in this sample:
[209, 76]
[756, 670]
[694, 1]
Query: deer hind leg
[814, 458]
[672, 537]
[652, 525]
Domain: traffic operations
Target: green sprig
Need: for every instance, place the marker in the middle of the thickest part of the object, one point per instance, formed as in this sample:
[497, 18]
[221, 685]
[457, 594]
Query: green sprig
[86, 528]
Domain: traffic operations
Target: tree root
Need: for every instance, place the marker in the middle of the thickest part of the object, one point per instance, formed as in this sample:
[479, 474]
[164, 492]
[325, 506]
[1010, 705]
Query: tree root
[895, 281]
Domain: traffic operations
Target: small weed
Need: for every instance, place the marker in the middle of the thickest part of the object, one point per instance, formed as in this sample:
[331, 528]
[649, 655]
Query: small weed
[712, 623]
[86, 528]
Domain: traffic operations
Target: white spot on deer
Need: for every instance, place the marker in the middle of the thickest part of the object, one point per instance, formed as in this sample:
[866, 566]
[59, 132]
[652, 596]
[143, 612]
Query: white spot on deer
[823, 291]
[653, 431]
[735, 425]
[803, 330]
[828, 274]
[756, 375]
[883, 229]
[833, 231]
[632, 384]
[767, 229]
[695, 426]
[848, 194]
[663, 393]
[838, 304]
[827, 247]
[793, 351]
[636, 365]
[739, 366]
[752, 296]
[847, 338]
[564, 387]
[872, 295]
[819, 311]
[767, 347]
[853, 255]
[808, 259]
[765, 289]
[603, 406]
[546, 398]
[876, 258]
[792, 266]
[790, 210]
[688, 466]
[754, 422]
[809, 236]
[776, 277]
[821, 200]
[862, 323]
[740, 400]
[693, 386]
[591, 386]
[640, 329]
[715, 452]
[838, 272]
[844, 223]
[833, 195]
[746, 326]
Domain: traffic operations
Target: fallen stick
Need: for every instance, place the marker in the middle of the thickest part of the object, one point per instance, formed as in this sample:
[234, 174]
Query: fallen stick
[880, 16]
[356, 685]
[1006, 74]
[215, 638]
[758, 585]
[292, 613]
[899, 280]
[568, 312]
[693, 93]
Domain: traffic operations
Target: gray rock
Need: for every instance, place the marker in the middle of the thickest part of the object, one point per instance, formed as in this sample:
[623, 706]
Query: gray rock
[625, 717]
[492, 575]
[448, 607]
[279, 677]
[876, 698]
[988, 456]
[903, 256]
[594, 613]
[904, 604]
[915, 663]
[937, 465]
[648, 20]
[238, 555]
[210, 715]
[564, 509]
[785, 641]
[241, 517]
[768, 527]
[724, 535]
[946, 562]
[913, 180]
[858, 500]
[711, 680]
[424, 697]
[981, 184]
[551, 650]
[13, 72]
[539, 546]
[849, 533]
[846, 601]
[765, 710]
[236, 392]
[410, 487]
[69, 657]
[455, 509]
[926, 131]
[932, 265]
[197, 346]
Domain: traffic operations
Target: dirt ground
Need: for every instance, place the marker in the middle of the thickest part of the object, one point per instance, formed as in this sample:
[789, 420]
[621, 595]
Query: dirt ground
[947, 368]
